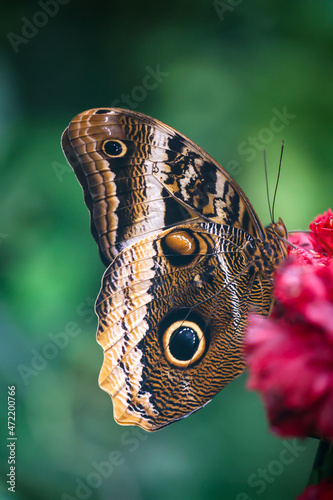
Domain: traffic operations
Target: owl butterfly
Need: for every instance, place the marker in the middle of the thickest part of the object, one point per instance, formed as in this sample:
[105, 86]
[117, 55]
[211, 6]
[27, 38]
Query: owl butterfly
[187, 258]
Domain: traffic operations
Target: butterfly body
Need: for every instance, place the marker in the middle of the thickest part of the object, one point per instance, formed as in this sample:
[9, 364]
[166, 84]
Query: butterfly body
[187, 258]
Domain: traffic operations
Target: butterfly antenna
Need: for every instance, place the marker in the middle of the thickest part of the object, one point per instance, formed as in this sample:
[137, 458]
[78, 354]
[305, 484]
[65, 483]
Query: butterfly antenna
[267, 190]
[278, 177]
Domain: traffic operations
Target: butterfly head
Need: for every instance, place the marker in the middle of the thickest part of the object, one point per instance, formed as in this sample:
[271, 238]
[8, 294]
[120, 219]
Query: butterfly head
[278, 228]
[275, 244]
[267, 253]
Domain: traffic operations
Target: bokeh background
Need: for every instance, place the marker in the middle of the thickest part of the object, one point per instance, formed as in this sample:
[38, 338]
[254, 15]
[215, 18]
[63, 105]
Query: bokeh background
[225, 70]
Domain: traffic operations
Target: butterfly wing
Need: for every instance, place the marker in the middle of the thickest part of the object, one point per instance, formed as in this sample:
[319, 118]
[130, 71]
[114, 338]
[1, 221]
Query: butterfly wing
[140, 176]
[171, 226]
[171, 321]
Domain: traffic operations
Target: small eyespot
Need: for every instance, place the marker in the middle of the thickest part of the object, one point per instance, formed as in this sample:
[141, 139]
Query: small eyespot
[184, 343]
[102, 112]
[114, 149]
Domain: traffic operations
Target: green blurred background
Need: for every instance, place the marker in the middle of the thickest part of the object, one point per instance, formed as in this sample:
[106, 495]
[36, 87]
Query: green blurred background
[228, 69]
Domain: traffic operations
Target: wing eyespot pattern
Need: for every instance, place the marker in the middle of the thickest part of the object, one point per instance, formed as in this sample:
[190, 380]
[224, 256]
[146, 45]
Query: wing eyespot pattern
[114, 148]
[184, 344]
[184, 338]
[180, 247]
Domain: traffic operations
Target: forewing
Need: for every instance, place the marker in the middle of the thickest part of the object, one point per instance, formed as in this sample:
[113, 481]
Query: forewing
[140, 176]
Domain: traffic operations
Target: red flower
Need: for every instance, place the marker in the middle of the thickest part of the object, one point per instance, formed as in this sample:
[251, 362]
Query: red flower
[321, 491]
[307, 247]
[290, 354]
[322, 227]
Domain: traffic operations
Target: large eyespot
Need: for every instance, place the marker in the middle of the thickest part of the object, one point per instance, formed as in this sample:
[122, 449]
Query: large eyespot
[184, 343]
[114, 148]
[180, 247]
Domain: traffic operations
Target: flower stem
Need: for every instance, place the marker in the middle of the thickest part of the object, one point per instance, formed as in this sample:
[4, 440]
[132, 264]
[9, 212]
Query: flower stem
[323, 462]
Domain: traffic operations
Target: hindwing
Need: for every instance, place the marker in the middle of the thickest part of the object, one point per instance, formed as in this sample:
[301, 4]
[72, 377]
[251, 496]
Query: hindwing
[150, 292]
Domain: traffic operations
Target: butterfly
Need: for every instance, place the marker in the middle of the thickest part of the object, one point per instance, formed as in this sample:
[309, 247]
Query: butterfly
[186, 259]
